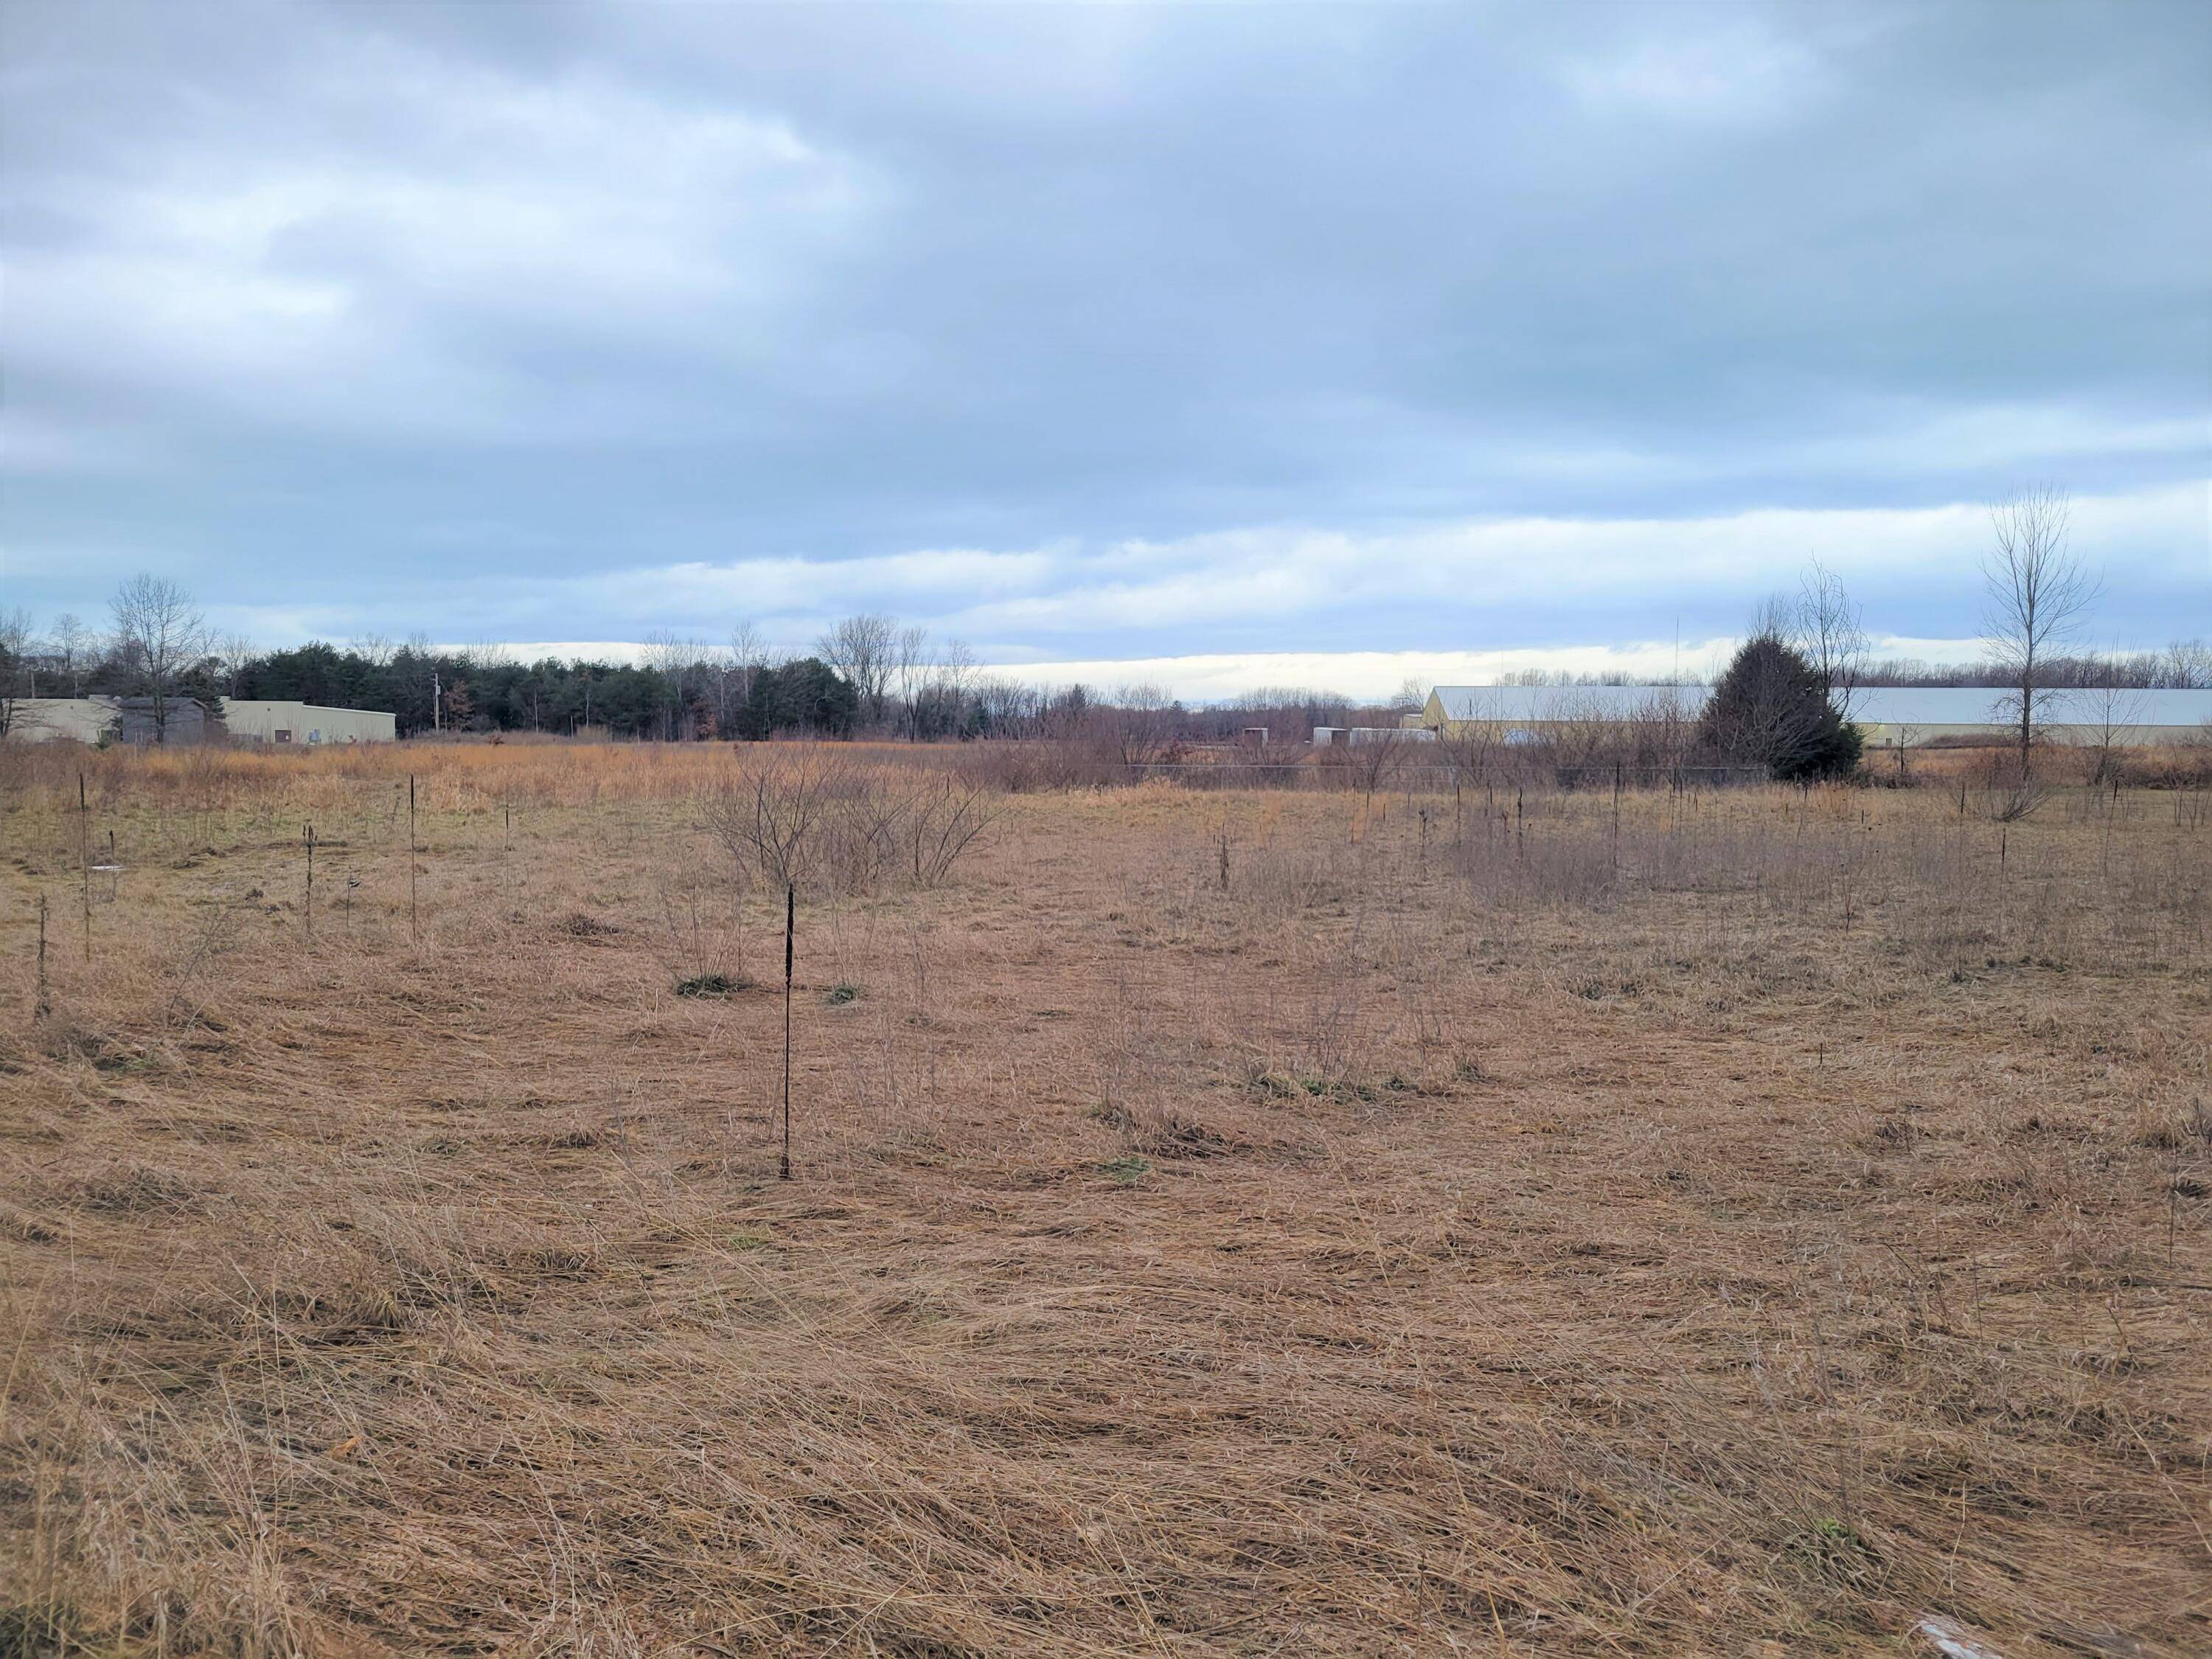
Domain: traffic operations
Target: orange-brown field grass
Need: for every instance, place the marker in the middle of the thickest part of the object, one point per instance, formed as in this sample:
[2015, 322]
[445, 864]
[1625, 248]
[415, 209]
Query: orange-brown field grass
[1250, 1223]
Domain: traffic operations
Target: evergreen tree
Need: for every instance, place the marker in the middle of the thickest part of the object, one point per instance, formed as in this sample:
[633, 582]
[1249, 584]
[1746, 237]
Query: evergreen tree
[1769, 709]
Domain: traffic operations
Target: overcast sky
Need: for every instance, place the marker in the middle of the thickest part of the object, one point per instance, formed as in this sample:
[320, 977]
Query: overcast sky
[1253, 334]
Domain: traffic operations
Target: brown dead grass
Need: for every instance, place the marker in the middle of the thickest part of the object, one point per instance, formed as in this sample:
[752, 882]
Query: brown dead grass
[1468, 1232]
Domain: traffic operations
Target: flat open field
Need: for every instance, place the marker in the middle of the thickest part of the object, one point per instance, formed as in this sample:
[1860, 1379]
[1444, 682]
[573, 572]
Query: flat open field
[1224, 1222]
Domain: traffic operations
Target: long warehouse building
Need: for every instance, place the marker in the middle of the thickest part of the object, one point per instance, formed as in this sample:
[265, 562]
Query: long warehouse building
[1886, 715]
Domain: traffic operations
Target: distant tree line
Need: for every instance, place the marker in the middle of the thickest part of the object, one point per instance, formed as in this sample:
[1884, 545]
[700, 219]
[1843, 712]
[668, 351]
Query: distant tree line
[872, 675]
[482, 691]
[869, 675]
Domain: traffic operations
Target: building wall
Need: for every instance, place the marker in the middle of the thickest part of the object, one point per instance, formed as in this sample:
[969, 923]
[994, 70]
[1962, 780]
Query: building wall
[49, 720]
[126, 719]
[1886, 734]
[1879, 733]
[305, 724]
[1885, 715]
[44, 720]
[183, 721]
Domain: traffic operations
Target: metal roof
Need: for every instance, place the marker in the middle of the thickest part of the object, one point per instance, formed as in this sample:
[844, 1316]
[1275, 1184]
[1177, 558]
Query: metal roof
[1881, 705]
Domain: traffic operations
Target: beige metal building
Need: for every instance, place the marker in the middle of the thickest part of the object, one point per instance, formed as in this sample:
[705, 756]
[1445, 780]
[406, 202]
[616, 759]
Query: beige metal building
[306, 724]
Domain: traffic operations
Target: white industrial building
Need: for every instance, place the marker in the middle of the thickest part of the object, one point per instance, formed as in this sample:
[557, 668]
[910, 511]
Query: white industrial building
[1886, 715]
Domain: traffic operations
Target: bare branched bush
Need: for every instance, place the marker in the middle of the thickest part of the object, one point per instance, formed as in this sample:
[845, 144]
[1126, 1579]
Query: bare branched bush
[775, 822]
[825, 822]
[943, 816]
[2007, 792]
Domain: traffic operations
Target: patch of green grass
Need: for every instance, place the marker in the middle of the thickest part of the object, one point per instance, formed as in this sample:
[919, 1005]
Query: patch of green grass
[708, 985]
[749, 1241]
[711, 984]
[1836, 1548]
[1127, 1170]
[841, 993]
[1284, 1086]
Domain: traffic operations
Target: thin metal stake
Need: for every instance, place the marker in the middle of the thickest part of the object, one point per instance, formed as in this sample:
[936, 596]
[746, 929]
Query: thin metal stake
[1616, 820]
[311, 886]
[413, 930]
[84, 859]
[790, 925]
[44, 1003]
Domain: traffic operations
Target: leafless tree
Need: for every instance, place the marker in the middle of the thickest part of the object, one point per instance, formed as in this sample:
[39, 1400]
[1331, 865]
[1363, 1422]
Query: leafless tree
[909, 665]
[1412, 695]
[749, 654]
[2039, 592]
[1008, 708]
[2186, 665]
[235, 651]
[862, 648]
[2112, 707]
[373, 648]
[17, 680]
[16, 643]
[955, 669]
[1829, 630]
[669, 657]
[941, 706]
[729, 673]
[1138, 724]
[159, 635]
[73, 644]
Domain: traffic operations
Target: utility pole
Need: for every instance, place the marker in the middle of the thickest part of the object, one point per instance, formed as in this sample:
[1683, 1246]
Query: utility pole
[437, 704]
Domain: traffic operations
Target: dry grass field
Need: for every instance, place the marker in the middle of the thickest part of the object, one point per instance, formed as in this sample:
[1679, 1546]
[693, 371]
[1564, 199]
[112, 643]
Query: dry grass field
[1231, 1221]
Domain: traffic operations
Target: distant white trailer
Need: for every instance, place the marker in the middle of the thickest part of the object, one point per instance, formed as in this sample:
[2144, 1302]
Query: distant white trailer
[1366, 734]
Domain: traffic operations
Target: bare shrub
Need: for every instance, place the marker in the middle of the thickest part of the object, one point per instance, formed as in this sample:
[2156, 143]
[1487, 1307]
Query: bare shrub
[777, 822]
[832, 824]
[943, 815]
[2008, 791]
